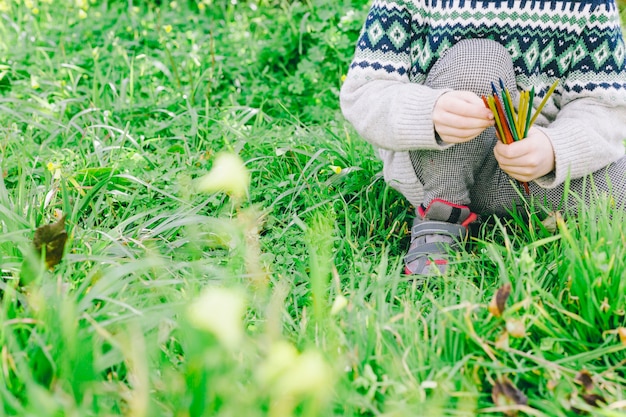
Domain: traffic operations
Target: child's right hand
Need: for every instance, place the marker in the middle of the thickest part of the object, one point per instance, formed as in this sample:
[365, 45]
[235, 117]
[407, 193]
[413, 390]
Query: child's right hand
[460, 116]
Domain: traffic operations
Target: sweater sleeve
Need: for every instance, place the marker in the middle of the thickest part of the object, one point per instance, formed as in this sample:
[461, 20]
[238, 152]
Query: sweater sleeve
[587, 126]
[377, 96]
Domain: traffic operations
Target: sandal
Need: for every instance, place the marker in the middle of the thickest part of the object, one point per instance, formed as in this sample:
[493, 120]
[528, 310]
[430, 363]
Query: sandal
[437, 230]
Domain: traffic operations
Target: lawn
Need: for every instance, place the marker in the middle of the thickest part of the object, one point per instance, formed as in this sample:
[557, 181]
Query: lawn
[232, 249]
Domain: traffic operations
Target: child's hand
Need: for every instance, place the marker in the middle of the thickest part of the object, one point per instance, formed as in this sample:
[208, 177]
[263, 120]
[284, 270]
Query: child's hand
[460, 116]
[527, 159]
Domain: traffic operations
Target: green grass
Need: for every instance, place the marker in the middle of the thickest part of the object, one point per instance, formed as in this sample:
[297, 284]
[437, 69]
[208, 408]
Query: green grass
[291, 301]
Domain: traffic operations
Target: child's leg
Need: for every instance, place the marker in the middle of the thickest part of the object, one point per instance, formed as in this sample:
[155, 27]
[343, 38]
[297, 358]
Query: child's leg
[499, 196]
[448, 176]
[470, 65]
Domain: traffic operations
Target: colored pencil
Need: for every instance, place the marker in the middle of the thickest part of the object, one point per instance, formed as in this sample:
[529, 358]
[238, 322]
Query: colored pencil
[544, 101]
[512, 126]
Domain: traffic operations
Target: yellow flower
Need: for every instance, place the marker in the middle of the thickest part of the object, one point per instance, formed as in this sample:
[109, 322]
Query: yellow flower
[82, 14]
[201, 6]
[168, 28]
[343, 77]
[336, 169]
[228, 174]
[4, 6]
[219, 311]
[55, 169]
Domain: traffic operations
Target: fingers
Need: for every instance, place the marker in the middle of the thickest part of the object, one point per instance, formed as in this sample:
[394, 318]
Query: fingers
[452, 134]
[464, 104]
[512, 155]
[460, 121]
[528, 159]
[460, 116]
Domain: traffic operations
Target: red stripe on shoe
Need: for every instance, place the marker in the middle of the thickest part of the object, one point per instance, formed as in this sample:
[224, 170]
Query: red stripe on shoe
[470, 219]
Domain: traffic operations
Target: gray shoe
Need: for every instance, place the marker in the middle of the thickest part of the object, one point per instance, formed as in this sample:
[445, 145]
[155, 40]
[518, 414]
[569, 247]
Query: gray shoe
[437, 230]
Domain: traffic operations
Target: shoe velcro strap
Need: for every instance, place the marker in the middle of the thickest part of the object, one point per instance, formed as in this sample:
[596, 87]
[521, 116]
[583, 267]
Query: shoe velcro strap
[426, 250]
[438, 228]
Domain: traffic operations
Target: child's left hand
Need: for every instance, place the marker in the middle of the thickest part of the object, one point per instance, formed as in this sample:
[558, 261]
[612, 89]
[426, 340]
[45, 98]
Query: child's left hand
[527, 159]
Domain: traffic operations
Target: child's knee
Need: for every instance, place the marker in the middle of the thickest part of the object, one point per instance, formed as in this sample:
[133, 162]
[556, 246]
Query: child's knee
[472, 65]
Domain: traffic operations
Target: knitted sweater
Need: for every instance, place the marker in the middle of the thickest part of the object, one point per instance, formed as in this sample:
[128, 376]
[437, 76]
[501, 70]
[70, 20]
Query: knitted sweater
[578, 42]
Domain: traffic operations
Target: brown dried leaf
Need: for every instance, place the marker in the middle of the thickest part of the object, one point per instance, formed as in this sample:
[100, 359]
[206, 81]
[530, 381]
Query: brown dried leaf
[504, 394]
[622, 334]
[584, 379]
[594, 400]
[498, 302]
[51, 238]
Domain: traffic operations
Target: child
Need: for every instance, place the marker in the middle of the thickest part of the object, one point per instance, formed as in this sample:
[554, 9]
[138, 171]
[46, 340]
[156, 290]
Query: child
[414, 91]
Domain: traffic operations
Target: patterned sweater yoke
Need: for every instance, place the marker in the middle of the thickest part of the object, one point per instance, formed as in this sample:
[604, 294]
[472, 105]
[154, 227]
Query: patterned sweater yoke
[579, 41]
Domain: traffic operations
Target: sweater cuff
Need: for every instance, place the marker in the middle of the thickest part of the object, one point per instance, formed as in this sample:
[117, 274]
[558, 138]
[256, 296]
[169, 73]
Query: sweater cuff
[414, 126]
[568, 155]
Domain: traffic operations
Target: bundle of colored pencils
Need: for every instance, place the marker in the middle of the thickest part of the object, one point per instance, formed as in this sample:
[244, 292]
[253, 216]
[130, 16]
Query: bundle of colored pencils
[512, 126]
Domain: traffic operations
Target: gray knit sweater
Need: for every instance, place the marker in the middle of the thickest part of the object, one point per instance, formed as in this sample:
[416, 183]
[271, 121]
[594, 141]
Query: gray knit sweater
[578, 42]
